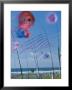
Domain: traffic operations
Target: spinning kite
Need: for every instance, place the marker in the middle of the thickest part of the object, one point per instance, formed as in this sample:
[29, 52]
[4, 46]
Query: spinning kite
[51, 18]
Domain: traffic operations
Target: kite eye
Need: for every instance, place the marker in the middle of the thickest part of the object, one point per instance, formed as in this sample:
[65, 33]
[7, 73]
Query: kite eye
[24, 20]
[29, 19]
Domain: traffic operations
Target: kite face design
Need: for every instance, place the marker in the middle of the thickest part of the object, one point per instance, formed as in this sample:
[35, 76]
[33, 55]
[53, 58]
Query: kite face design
[26, 21]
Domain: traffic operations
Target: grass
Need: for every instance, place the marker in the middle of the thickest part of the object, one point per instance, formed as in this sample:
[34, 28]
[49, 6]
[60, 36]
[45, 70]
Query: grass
[57, 76]
[35, 76]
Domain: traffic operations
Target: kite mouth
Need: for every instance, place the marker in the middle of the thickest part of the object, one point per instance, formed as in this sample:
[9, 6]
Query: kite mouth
[25, 27]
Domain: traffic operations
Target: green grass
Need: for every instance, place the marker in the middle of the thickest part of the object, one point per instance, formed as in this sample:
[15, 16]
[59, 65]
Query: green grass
[57, 76]
[36, 76]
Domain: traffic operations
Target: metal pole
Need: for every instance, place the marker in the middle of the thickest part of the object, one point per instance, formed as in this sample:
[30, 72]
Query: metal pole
[19, 63]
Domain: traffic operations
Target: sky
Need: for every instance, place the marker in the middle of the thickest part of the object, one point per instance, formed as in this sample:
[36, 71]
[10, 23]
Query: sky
[37, 44]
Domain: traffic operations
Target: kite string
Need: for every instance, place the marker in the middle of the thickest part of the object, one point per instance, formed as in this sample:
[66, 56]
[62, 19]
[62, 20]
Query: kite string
[36, 61]
[50, 52]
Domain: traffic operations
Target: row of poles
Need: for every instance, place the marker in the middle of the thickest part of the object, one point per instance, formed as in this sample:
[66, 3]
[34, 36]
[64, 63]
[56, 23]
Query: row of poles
[35, 56]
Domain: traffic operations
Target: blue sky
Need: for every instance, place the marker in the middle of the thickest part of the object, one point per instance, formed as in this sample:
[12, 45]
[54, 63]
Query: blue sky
[37, 43]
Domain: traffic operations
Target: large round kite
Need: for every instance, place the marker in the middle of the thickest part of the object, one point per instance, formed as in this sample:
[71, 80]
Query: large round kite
[26, 21]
